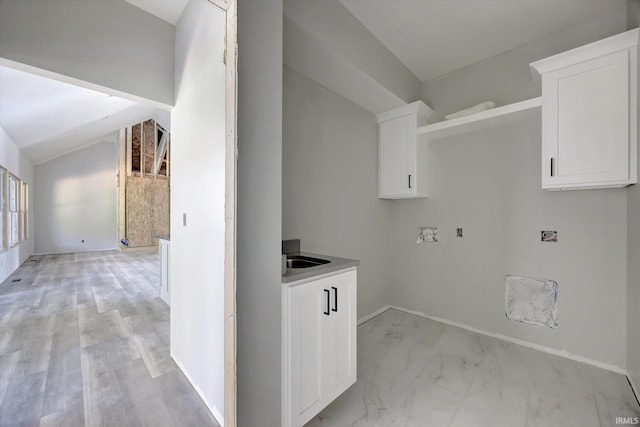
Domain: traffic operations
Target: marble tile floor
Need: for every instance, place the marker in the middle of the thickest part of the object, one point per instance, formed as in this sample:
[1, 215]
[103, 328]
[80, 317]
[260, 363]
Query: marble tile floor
[84, 341]
[417, 372]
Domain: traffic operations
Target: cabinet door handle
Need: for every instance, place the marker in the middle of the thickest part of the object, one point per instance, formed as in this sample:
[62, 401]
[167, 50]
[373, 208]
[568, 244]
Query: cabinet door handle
[552, 166]
[328, 293]
[335, 298]
[409, 181]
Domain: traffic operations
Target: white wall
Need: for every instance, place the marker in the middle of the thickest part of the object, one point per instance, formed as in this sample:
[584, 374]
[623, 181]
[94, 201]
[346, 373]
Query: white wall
[75, 199]
[111, 44]
[12, 159]
[330, 186]
[259, 212]
[198, 191]
[488, 182]
[506, 78]
[633, 254]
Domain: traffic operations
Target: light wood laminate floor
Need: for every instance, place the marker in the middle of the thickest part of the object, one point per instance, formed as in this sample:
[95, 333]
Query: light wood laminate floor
[84, 341]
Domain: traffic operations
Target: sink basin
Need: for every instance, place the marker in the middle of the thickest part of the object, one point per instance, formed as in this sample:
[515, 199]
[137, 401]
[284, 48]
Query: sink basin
[301, 261]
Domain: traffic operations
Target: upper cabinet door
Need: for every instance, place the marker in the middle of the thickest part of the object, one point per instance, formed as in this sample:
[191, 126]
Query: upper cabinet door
[589, 115]
[397, 158]
[586, 122]
[401, 159]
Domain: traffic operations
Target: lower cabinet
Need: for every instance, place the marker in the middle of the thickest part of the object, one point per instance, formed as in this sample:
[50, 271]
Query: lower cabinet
[319, 344]
[164, 270]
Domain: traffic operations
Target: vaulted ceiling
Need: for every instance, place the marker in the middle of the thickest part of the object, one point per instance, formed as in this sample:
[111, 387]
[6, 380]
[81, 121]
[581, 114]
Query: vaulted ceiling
[46, 118]
[434, 37]
[380, 53]
[339, 43]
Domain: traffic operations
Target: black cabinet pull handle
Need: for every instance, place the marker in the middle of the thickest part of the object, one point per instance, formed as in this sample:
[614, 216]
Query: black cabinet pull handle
[409, 181]
[326, 291]
[335, 299]
[552, 166]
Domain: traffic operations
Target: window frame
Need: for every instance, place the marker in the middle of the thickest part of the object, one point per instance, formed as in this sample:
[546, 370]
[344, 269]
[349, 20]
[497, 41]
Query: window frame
[13, 206]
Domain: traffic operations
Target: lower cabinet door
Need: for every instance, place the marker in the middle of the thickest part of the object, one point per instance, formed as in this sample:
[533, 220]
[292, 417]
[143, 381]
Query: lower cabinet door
[307, 303]
[339, 336]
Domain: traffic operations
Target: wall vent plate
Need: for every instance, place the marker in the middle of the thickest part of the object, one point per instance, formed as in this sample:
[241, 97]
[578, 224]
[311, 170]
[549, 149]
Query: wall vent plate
[548, 236]
[427, 234]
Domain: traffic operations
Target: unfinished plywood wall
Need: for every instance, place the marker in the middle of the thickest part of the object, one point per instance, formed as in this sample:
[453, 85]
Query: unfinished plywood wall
[147, 210]
[144, 174]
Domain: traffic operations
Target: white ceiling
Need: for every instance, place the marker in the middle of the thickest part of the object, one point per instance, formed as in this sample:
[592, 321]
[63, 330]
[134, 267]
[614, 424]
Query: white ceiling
[434, 37]
[167, 10]
[46, 117]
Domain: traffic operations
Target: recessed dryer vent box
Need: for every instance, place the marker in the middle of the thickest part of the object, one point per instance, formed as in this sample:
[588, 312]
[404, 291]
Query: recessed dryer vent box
[533, 301]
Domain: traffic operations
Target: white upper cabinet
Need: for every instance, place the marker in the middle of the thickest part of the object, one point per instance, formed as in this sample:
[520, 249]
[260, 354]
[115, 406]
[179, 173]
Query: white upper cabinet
[401, 160]
[589, 115]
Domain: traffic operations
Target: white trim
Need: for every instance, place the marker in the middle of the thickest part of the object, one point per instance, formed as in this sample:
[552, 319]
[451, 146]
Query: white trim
[115, 248]
[418, 107]
[372, 315]
[545, 349]
[214, 411]
[622, 41]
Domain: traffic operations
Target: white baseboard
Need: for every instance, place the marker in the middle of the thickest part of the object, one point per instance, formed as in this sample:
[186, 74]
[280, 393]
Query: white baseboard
[74, 252]
[212, 408]
[374, 314]
[561, 353]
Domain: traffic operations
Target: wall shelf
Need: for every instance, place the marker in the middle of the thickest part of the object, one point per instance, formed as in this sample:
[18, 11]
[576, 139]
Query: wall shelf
[496, 116]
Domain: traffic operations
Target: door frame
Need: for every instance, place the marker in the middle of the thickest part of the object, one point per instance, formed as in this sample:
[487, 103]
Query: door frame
[230, 8]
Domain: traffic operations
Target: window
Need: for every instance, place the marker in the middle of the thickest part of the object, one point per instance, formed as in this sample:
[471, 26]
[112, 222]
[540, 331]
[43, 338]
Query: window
[24, 212]
[14, 223]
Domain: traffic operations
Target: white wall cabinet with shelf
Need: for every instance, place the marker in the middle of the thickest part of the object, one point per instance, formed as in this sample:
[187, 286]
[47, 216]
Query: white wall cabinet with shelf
[401, 160]
[589, 115]
[319, 344]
